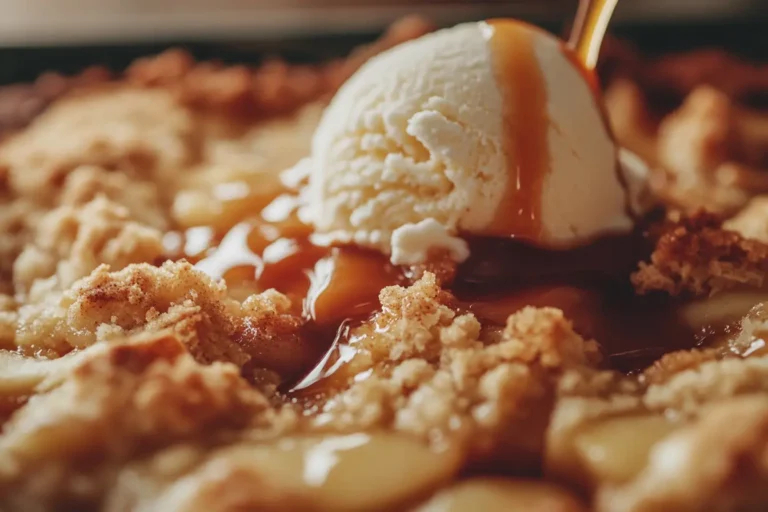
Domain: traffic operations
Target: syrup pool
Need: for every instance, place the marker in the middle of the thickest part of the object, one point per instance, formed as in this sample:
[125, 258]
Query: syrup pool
[335, 289]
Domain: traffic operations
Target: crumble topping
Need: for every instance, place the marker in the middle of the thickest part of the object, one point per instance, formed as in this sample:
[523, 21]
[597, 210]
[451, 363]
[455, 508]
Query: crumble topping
[133, 397]
[21, 103]
[695, 146]
[423, 369]
[139, 132]
[106, 305]
[140, 198]
[131, 383]
[72, 241]
[274, 88]
[695, 257]
[696, 118]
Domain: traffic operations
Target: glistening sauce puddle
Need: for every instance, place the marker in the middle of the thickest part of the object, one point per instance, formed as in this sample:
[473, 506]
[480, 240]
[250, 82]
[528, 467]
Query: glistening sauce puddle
[336, 289]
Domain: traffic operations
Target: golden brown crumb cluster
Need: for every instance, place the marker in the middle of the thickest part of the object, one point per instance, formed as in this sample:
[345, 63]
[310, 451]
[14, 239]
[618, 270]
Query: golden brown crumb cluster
[697, 257]
[710, 151]
[433, 373]
[131, 380]
[274, 88]
[123, 401]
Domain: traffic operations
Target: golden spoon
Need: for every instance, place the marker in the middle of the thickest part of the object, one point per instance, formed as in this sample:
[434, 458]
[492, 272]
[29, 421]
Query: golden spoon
[589, 29]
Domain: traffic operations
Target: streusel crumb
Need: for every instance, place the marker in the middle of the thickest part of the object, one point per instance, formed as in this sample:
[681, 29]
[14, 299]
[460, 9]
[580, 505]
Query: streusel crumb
[673, 363]
[18, 217]
[274, 88]
[142, 133]
[696, 257]
[711, 381]
[713, 152]
[140, 198]
[105, 305]
[71, 241]
[694, 144]
[136, 396]
[21, 103]
[423, 369]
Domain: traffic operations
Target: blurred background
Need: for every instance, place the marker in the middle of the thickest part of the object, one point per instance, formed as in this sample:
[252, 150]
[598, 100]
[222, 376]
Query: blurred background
[67, 35]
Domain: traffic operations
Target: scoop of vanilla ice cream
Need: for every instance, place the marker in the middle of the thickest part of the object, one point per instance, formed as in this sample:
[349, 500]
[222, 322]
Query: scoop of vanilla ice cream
[411, 153]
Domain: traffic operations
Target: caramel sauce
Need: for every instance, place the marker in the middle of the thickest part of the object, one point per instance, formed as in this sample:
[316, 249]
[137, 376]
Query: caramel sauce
[589, 284]
[526, 118]
[335, 289]
[332, 371]
[331, 284]
[346, 284]
[526, 122]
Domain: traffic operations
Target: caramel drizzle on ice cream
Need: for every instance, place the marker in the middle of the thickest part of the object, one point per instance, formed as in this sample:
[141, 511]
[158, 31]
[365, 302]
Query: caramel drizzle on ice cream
[525, 129]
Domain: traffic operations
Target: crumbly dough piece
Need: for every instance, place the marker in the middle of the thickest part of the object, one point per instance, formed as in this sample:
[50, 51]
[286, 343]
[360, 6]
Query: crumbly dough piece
[132, 130]
[273, 88]
[711, 151]
[21, 103]
[140, 198]
[106, 305]
[696, 257]
[695, 148]
[71, 241]
[423, 369]
[138, 395]
[688, 391]
[17, 220]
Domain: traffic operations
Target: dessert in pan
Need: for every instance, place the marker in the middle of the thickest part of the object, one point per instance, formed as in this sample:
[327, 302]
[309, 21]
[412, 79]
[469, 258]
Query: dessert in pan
[422, 278]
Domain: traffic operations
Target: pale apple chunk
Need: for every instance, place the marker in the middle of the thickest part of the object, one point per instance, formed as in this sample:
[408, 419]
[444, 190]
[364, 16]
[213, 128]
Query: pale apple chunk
[613, 449]
[333, 473]
[718, 318]
[616, 450]
[499, 495]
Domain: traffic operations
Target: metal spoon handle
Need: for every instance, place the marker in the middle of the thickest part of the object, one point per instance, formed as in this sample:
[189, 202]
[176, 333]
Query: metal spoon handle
[589, 29]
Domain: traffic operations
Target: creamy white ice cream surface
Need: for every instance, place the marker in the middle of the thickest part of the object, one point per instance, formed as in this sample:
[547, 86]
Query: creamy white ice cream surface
[414, 153]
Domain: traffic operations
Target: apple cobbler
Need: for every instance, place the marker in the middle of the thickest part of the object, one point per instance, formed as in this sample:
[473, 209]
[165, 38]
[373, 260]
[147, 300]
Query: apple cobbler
[172, 339]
